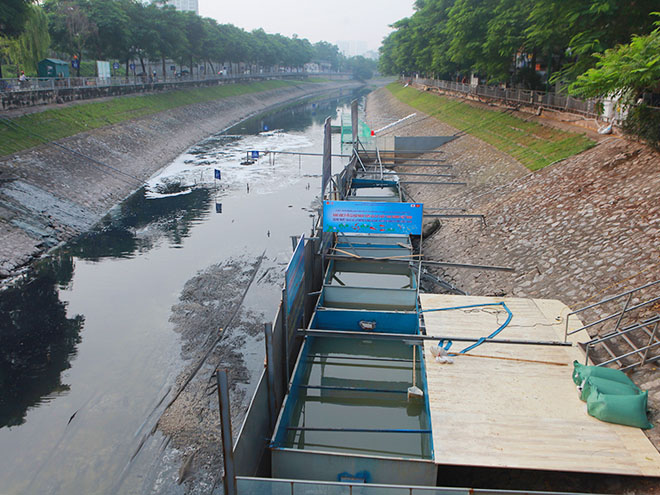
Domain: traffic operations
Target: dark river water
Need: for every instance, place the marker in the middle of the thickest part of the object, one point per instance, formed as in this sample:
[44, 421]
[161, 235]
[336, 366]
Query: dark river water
[87, 346]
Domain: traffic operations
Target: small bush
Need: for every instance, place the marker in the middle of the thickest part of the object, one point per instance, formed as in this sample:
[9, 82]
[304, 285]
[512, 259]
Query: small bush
[644, 122]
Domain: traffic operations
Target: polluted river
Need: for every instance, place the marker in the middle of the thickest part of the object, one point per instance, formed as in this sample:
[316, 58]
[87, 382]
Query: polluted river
[109, 344]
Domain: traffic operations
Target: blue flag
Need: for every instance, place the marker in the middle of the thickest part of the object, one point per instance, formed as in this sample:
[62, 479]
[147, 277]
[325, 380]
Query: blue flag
[255, 154]
[218, 207]
[217, 174]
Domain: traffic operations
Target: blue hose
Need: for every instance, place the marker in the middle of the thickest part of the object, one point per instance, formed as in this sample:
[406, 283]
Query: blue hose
[482, 339]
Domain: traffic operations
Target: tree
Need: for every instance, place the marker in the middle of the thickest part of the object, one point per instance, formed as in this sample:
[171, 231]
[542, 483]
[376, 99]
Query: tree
[33, 43]
[326, 52]
[194, 31]
[420, 43]
[115, 33]
[172, 38]
[568, 33]
[629, 70]
[362, 68]
[70, 27]
[237, 44]
[213, 47]
[448, 37]
[13, 16]
[505, 38]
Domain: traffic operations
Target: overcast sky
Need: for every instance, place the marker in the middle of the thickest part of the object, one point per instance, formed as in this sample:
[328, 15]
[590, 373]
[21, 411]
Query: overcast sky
[329, 20]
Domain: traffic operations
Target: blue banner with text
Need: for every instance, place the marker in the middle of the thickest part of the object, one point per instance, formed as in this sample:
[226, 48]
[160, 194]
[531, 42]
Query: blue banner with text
[372, 217]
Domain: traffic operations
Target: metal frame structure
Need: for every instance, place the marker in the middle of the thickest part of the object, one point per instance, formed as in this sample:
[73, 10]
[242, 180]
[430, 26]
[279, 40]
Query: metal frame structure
[263, 445]
[630, 335]
[257, 486]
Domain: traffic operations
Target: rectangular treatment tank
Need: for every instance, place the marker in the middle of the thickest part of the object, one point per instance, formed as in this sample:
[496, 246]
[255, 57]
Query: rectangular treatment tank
[350, 396]
[349, 319]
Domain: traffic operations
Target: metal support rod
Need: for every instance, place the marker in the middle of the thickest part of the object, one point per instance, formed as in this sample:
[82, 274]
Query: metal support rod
[285, 333]
[433, 183]
[352, 389]
[294, 242]
[646, 352]
[636, 351]
[360, 358]
[359, 160]
[229, 478]
[444, 209]
[358, 430]
[299, 153]
[650, 360]
[449, 176]
[424, 262]
[602, 320]
[380, 163]
[440, 165]
[612, 298]
[416, 152]
[418, 338]
[623, 312]
[270, 373]
[451, 215]
[634, 326]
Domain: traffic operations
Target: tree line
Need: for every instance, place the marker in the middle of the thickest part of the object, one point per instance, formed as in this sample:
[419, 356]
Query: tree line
[129, 30]
[507, 41]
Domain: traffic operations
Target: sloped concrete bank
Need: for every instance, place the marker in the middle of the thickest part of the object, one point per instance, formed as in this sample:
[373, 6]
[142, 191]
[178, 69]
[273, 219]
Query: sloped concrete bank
[49, 194]
[579, 230]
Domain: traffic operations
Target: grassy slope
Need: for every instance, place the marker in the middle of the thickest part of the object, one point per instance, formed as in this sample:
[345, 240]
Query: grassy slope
[532, 144]
[62, 122]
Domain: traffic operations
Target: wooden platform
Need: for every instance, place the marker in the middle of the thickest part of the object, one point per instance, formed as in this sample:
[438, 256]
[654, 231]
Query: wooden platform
[506, 413]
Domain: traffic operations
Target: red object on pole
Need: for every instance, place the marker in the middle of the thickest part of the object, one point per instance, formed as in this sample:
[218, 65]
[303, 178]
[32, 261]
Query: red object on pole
[373, 133]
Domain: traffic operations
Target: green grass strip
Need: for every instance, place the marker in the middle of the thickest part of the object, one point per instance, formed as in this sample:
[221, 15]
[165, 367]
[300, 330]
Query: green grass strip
[532, 144]
[59, 123]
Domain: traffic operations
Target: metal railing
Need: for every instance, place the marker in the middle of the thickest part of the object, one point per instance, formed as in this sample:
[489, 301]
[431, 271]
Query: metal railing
[268, 486]
[544, 99]
[637, 337]
[13, 85]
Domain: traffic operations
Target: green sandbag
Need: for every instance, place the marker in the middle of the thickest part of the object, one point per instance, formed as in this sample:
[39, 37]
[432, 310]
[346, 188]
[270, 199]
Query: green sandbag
[594, 385]
[582, 372]
[629, 410]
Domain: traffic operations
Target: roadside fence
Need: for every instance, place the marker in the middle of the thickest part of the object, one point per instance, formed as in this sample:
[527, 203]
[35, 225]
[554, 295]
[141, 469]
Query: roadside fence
[15, 85]
[555, 101]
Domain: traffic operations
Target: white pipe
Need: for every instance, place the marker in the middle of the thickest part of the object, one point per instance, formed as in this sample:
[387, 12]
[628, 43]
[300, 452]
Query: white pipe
[395, 123]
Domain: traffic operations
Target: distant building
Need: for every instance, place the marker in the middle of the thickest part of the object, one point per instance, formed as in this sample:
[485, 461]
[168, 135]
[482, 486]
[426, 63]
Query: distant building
[185, 5]
[351, 48]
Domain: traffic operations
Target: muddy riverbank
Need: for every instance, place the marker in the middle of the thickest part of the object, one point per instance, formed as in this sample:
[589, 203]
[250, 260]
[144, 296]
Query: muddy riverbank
[53, 192]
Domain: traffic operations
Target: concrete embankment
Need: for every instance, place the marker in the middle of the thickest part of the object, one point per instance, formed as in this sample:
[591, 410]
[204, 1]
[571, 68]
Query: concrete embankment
[579, 230]
[53, 192]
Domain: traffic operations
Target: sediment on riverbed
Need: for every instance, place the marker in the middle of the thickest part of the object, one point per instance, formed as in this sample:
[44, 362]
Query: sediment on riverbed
[53, 192]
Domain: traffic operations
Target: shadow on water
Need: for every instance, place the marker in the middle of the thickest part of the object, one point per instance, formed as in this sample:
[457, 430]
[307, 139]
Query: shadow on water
[138, 224]
[295, 118]
[37, 340]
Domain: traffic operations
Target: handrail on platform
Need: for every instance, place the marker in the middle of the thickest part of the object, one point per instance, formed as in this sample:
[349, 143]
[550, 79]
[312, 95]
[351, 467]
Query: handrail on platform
[254, 485]
[619, 331]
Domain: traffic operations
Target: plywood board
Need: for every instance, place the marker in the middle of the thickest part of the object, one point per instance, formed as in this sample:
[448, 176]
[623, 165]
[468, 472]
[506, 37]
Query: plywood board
[515, 406]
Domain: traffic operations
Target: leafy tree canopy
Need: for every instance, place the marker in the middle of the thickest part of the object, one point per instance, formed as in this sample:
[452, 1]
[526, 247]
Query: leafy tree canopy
[451, 38]
[630, 69]
[13, 16]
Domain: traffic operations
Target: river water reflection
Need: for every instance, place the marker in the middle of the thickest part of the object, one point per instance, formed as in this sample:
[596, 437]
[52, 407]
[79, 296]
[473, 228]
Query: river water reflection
[87, 349]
